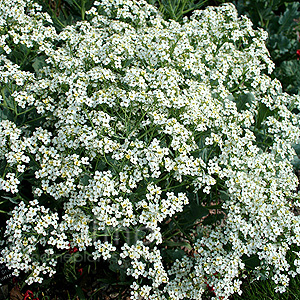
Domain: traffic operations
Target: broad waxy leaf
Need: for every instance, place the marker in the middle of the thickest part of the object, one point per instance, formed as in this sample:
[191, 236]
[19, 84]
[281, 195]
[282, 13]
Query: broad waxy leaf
[287, 19]
[296, 163]
[243, 100]
[39, 63]
[297, 148]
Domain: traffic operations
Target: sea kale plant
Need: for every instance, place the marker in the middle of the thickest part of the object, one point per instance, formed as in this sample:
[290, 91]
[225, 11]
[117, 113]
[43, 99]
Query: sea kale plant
[164, 148]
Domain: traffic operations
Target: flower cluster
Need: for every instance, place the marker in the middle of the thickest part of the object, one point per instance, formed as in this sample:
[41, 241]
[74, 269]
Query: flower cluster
[129, 121]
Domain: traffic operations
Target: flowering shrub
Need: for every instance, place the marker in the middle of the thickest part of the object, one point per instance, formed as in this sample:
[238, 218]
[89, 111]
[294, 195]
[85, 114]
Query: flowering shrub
[170, 137]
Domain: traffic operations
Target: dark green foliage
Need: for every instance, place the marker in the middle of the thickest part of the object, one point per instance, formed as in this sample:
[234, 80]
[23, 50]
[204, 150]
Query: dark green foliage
[66, 12]
[280, 19]
[38, 63]
[289, 74]
[243, 100]
[177, 9]
[264, 289]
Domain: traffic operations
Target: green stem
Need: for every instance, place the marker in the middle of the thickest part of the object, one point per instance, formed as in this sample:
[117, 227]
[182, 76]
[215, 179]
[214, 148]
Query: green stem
[89, 119]
[174, 187]
[161, 179]
[25, 111]
[82, 9]
[111, 165]
[78, 6]
[181, 9]
[32, 159]
[6, 106]
[146, 132]
[261, 19]
[183, 231]
[59, 22]
[171, 236]
[36, 119]
[172, 10]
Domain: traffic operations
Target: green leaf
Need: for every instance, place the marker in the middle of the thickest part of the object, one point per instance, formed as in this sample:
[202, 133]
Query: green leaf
[178, 244]
[243, 100]
[38, 63]
[266, 14]
[128, 62]
[273, 27]
[197, 211]
[297, 148]
[213, 219]
[101, 165]
[287, 19]
[173, 254]
[230, 97]
[296, 163]
[224, 196]
[289, 74]
[281, 42]
[5, 93]
[289, 67]
[73, 3]
[263, 113]
[84, 180]
[119, 269]
[69, 272]
[203, 154]
[192, 213]
[179, 8]
[217, 206]
[13, 200]
[6, 114]
[2, 166]
[251, 262]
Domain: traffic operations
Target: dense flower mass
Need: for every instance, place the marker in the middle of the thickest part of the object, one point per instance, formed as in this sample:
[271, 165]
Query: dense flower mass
[128, 122]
